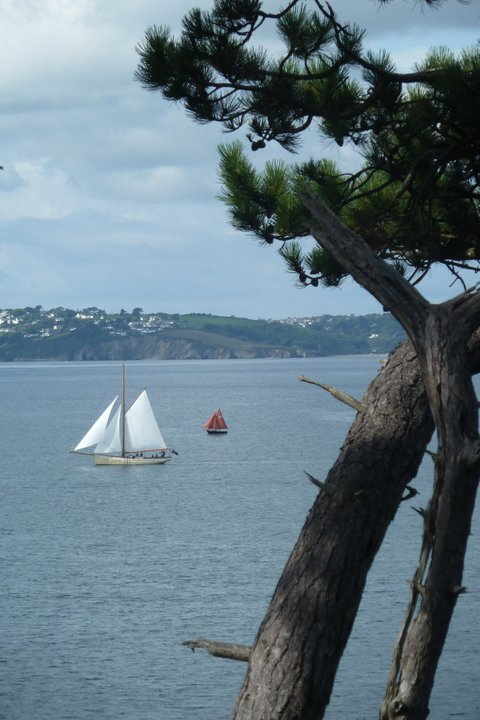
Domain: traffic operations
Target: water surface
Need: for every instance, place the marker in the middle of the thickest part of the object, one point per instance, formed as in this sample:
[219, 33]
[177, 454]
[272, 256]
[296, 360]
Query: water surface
[107, 570]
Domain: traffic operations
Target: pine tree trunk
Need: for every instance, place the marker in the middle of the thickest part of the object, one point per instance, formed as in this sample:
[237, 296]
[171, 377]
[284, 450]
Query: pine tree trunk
[447, 519]
[301, 640]
[290, 660]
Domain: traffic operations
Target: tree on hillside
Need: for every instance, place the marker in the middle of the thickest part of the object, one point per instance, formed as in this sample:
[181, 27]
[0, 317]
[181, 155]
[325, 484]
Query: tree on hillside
[411, 203]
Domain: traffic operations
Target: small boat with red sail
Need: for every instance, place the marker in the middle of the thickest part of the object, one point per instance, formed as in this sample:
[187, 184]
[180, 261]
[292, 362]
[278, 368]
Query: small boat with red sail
[216, 424]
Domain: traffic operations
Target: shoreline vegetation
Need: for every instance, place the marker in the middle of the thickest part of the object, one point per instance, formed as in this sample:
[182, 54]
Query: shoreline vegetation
[32, 334]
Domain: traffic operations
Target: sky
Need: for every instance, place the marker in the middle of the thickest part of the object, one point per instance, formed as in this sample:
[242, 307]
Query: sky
[108, 196]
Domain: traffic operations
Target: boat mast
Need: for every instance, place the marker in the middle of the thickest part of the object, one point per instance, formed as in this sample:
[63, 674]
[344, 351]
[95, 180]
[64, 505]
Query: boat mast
[123, 411]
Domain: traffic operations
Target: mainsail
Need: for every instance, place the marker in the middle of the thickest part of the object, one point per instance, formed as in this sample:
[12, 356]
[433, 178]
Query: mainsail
[141, 428]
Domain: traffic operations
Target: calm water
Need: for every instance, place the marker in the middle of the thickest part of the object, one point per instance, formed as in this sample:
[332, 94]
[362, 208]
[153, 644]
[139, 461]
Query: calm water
[106, 571]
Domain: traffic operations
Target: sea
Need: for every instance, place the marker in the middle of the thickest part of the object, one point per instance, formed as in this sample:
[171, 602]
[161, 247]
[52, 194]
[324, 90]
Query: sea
[107, 571]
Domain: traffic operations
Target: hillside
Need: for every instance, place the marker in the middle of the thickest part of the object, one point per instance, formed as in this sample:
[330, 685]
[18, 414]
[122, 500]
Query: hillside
[92, 334]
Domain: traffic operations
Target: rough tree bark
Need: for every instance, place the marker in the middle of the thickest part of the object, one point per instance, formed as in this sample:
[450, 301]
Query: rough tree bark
[301, 640]
[447, 518]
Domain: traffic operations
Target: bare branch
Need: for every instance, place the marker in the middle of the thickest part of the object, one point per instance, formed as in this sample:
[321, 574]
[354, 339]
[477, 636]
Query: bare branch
[328, 489]
[231, 651]
[338, 394]
[411, 492]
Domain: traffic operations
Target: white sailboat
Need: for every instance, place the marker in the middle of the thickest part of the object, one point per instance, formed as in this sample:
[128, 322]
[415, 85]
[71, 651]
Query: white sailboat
[126, 436]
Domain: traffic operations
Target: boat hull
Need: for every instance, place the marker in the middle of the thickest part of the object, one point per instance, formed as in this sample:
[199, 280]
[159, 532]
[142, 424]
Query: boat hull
[216, 432]
[113, 460]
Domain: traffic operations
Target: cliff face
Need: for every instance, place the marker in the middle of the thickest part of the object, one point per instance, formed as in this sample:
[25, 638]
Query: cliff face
[149, 349]
[144, 349]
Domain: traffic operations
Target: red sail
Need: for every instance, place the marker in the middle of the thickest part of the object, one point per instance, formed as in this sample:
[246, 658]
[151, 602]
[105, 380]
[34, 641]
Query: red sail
[216, 421]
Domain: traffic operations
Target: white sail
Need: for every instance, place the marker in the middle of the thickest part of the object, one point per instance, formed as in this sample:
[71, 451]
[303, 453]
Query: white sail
[112, 440]
[141, 429]
[97, 431]
[127, 437]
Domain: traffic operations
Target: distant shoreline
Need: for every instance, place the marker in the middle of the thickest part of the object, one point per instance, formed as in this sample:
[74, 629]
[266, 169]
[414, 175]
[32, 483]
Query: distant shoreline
[147, 360]
[36, 335]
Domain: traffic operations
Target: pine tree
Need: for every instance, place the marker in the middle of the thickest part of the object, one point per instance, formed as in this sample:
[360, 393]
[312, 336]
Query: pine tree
[412, 203]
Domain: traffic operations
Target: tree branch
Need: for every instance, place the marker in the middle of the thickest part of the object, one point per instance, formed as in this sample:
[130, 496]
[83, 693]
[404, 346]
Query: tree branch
[232, 651]
[353, 254]
[338, 394]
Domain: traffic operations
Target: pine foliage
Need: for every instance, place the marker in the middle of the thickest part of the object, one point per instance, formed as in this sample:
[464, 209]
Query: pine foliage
[415, 196]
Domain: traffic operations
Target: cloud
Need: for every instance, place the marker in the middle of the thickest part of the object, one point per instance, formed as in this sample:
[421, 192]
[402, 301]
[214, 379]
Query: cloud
[108, 196]
[402, 18]
[35, 189]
